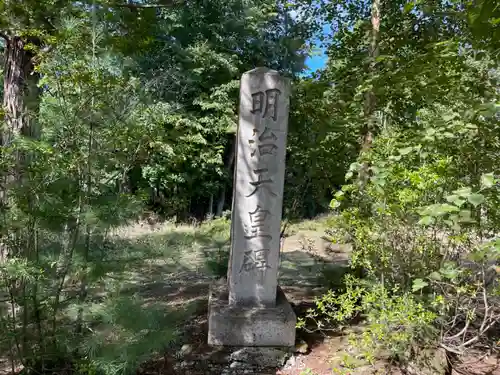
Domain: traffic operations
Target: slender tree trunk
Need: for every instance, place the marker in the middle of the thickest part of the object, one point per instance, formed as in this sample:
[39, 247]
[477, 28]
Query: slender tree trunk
[220, 203]
[229, 165]
[211, 205]
[370, 98]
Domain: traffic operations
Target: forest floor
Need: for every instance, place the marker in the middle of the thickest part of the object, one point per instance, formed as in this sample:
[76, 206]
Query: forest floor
[165, 281]
[305, 259]
[308, 263]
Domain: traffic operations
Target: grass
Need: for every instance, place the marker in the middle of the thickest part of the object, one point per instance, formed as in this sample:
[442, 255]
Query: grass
[143, 285]
[317, 224]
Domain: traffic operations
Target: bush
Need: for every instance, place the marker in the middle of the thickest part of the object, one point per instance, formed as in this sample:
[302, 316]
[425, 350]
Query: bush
[394, 322]
[424, 230]
[215, 234]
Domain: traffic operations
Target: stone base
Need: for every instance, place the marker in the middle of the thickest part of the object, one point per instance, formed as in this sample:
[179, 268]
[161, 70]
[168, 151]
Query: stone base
[249, 326]
[229, 360]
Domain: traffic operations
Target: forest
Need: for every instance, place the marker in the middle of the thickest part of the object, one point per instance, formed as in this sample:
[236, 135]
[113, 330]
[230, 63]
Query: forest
[122, 111]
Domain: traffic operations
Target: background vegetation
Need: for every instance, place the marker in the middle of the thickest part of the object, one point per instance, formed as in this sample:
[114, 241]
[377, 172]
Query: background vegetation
[113, 110]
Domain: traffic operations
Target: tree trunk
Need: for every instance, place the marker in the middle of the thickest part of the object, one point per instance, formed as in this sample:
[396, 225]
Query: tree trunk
[229, 165]
[211, 206]
[220, 203]
[20, 111]
[370, 98]
[21, 92]
[21, 99]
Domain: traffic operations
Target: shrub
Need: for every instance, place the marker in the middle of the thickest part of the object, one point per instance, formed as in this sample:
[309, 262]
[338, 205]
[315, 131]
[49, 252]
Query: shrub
[214, 234]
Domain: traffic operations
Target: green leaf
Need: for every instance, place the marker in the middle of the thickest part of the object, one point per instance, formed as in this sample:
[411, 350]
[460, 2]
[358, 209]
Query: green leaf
[455, 199]
[463, 192]
[449, 116]
[487, 180]
[339, 195]
[446, 208]
[441, 209]
[334, 203]
[418, 284]
[435, 276]
[406, 150]
[475, 199]
[465, 217]
[449, 272]
[408, 7]
[426, 220]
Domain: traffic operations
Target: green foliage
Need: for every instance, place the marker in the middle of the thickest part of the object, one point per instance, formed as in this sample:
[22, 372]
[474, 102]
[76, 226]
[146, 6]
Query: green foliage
[125, 334]
[395, 323]
[314, 133]
[429, 204]
[307, 372]
[138, 107]
[333, 309]
[217, 255]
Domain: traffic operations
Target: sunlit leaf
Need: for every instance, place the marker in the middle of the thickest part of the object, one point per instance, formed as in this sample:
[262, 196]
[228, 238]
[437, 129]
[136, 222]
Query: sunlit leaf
[427, 220]
[487, 180]
[406, 150]
[418, 284]
[476, 199]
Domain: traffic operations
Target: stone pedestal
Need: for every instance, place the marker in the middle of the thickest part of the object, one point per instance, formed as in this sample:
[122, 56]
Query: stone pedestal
[235, 325]
[250, 309]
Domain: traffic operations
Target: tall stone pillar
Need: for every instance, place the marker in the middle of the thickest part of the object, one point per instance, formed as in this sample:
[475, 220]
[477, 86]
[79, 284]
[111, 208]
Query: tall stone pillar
[250, 309]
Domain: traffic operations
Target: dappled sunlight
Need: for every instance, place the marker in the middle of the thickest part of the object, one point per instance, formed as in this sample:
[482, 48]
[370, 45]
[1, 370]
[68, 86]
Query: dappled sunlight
[169, 163]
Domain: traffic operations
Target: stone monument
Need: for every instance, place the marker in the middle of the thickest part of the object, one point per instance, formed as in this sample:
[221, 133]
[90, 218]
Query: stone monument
[250, 309]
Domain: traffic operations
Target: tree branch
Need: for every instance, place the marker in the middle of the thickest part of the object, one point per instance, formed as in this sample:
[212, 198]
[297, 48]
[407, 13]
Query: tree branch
[168, 4]
[4, 35]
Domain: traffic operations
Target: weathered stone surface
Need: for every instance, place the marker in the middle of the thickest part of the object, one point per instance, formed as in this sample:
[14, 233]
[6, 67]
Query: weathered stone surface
[258, 188]
[250, 309]
[262, 356]
[235, 325]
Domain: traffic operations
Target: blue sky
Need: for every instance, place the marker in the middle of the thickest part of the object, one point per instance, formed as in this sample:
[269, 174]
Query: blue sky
[316, 62]
[317, 59]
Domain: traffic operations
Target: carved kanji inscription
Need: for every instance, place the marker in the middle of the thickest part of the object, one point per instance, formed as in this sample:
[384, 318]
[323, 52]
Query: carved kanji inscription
[255, 260]
[259, 169]
[262, 182]
[266, 142]
[259, 226]
[266, 103]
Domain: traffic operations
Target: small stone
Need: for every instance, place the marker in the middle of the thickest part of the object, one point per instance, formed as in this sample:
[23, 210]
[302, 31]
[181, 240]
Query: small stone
[301, 347]
[291, 362]
[186, 364]
[236, 365]
[186, 349]
[219, 357]
[261, 356]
